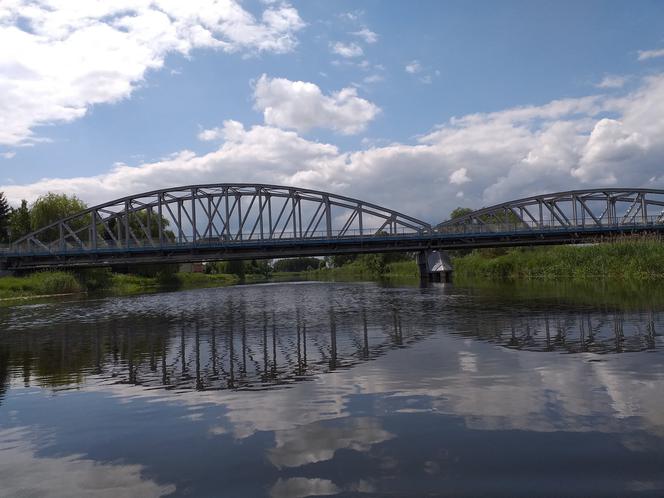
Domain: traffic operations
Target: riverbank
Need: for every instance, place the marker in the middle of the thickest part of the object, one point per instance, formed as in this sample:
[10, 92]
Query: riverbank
[358, 270]
[59, 283]
[630, 259]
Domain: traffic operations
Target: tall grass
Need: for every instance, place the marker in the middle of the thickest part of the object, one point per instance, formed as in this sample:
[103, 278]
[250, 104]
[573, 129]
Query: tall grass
[41, 283]
[627, 258]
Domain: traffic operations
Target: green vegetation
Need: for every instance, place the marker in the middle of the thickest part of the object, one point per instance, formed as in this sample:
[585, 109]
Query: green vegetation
[291, 265]
[382, 265]
[5, 212]
[632, 258]
[38, 284]
[19, 221]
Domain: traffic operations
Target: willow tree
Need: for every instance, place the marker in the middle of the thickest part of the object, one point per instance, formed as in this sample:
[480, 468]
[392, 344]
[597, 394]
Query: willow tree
[52, 207]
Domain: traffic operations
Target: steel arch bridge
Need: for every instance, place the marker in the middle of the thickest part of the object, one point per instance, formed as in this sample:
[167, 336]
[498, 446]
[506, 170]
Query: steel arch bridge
[253, 221]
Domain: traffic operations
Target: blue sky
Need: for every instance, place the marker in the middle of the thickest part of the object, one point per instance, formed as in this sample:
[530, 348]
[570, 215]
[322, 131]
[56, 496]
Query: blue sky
[361, 98]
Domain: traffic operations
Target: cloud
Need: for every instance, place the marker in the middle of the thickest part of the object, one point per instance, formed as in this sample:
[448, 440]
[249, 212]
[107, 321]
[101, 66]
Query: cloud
[7, 155]
[459, 176]
[347, 50]
[367, 35]
[302, 106]
[563, 144]
[68, 475]
[650, 54]
[373, 78]
[210, 134]
[67, 56]
[413, 67]
[612, 81]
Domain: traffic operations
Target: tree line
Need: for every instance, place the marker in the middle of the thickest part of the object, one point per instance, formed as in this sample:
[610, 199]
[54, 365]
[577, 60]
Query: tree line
[47, 209]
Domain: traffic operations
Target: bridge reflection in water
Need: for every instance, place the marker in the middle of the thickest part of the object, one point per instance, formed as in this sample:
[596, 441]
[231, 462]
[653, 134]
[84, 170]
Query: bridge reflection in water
[242, 340]
[229, 346]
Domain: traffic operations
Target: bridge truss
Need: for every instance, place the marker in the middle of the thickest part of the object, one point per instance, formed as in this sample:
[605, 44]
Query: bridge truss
[217, 215]
[247, 221]
[583, 210]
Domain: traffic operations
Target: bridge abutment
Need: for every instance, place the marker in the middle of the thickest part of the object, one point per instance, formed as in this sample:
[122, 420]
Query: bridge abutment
[434, 266]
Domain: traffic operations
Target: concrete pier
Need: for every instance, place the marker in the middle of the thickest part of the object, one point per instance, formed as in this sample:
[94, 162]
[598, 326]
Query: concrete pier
[434, 266]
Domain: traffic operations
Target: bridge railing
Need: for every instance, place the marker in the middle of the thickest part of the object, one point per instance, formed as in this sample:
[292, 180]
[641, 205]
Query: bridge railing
[289, 238]
[479, 228]
[187, 241]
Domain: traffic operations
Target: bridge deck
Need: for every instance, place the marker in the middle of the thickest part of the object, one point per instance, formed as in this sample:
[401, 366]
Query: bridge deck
[219, 249]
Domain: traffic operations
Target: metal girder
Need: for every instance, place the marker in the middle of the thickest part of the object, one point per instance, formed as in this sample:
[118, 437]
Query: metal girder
[216, 213]
[575, 208]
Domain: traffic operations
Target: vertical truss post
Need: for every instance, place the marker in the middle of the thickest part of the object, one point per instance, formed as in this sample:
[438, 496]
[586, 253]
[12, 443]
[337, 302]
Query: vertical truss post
[126, 223]
[210, 218]
[328, 216]
[61, 228]
[541, 213]
[160, 223]
[269, 215]
[299, 214]
[180, 234]
[238, 196]
[260, 210]
[193, 217]
[227, 219]
[93, 229]
[292, 196]
[359, 218]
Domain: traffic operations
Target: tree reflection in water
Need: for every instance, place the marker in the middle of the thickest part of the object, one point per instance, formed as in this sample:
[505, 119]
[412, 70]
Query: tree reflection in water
[249, 340]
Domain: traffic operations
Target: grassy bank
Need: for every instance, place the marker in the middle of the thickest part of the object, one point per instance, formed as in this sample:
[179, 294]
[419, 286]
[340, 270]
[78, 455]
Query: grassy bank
[636, 259]
[50, 283]
[357, 270]
[39, 284]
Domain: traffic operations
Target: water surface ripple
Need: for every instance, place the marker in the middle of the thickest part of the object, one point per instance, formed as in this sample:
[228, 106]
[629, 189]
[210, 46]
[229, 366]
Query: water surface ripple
[349, 389]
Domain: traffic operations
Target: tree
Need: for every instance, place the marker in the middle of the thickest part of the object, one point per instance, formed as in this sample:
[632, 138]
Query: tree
[19, 221]
[5, 213]
[138, 225]
[298, 264]
[459, 212]
[52, 207]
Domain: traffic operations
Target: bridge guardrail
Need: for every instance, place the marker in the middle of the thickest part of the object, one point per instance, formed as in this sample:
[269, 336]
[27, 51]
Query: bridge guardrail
[288, 238]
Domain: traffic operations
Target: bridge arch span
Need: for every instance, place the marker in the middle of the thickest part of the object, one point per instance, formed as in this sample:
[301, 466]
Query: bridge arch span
[220, 213]
[598, 208]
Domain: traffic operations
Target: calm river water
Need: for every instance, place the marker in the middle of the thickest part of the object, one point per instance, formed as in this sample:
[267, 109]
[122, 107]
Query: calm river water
[348, 389]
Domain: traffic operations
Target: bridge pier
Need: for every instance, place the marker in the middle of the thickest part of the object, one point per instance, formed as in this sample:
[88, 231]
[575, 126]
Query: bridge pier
[434, 266]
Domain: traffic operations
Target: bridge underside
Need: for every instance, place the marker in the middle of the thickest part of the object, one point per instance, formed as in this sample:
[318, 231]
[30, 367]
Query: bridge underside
[289, 248]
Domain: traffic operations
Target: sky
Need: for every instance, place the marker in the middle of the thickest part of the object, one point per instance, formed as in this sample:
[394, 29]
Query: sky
[417, 106]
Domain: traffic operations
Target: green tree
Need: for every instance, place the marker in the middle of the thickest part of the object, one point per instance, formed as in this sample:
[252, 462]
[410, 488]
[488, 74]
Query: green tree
[137, 222]
[52, 207]
[19, 221]
[5, 213]
[459, 212]
[298, 264]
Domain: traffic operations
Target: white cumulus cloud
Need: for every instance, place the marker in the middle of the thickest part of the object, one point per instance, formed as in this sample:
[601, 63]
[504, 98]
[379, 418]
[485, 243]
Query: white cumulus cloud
[367, 35]
[612, 81]
[413, 67]
[66, 56]
[564, 144]
[302, 106]
[459, 176]
[347, 50]
[650, 54]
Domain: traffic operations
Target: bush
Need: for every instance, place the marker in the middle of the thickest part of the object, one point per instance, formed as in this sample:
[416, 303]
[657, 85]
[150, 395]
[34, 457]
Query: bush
[56, 282]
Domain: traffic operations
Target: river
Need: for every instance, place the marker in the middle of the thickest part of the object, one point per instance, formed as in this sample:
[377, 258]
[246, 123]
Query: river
[333, 388]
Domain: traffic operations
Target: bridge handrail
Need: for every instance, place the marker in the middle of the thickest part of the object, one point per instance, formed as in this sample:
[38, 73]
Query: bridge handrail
[505, 229]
